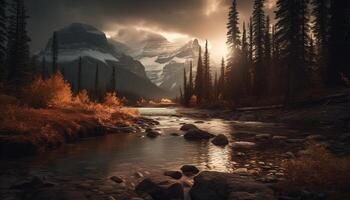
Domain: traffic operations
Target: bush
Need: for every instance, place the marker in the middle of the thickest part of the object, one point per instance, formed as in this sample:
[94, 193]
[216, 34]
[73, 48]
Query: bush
[112, 100]
[53, 92]
[319, 171]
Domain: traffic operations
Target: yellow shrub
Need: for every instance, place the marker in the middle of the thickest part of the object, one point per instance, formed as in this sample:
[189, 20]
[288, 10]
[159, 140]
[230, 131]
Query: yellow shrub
[53, 92]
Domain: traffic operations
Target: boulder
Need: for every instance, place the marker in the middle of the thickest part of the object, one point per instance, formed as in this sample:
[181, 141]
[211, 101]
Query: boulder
[187, 127]
[160, 188]
[152, 134]
[197, 134]
[243, 145]
[189, 170]
[220, 140]
[173, 174]
[217, 186]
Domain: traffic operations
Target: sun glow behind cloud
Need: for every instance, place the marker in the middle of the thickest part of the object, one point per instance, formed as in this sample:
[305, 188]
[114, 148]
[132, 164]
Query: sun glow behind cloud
[212, 7]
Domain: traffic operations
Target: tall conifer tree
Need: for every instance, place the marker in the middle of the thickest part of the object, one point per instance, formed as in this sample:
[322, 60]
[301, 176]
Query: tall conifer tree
[339, 43]
[199, 80]
[17, 44]
[258, 38]
[3, 34]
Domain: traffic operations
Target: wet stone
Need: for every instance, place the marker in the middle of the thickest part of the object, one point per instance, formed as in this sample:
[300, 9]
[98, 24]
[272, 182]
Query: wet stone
[173, 174]
[189, 170]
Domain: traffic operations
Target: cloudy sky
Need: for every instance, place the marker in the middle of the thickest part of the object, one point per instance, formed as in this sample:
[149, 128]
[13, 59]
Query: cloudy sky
[174, 19]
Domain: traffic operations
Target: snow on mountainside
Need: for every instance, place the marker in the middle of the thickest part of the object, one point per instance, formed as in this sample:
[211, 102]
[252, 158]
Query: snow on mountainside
[164, 61]
[85, 41]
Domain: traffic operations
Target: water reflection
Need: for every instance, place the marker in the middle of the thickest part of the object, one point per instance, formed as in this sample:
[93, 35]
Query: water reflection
[126, 154]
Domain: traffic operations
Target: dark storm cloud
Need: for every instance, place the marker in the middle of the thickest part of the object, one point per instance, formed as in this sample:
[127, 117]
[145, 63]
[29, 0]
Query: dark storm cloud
[198, 18]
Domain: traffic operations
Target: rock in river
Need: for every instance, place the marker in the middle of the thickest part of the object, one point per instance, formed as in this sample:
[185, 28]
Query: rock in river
[187, 127]
[189, 170]
[220, 140]
[197, 134]
[218, 186]
[152, 134]
[243, 145]
[160, 188]
[173, 174]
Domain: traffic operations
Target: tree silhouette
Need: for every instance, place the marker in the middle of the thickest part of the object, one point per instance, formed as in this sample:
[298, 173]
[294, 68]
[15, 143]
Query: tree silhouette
[339, 43]
[54, 52]
[17, 44]
[258, 39]
[199, 80]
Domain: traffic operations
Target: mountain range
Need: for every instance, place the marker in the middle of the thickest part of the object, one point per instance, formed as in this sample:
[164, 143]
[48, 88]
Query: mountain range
[151, 68]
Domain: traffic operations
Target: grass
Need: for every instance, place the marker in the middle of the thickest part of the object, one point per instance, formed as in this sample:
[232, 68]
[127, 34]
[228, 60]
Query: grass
[318, 171]
[47, 115]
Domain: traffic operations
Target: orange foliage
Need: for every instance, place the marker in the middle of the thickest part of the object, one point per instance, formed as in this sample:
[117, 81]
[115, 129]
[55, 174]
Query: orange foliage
[53, 92]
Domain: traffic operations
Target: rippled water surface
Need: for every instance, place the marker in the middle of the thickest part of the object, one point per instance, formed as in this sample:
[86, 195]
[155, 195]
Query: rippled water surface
[127, 153]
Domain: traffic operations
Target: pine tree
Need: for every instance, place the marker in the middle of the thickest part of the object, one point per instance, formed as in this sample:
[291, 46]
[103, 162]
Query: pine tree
[199, 80]
[245, 61]
[17, 44]
[291, 35]
[251, 42]
[267, 54]
[321, 31]
[207, 74]
[276, 69]
[3, 34]
[216, 87]
[258, 39]
[54, 52]
[233, 33]
[79, 79]
[251, 58]
[234, 57]
[222, 78]
[190, 85]
[339, 43]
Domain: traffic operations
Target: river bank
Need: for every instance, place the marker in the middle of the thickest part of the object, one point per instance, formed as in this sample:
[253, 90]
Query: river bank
[114, 166]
